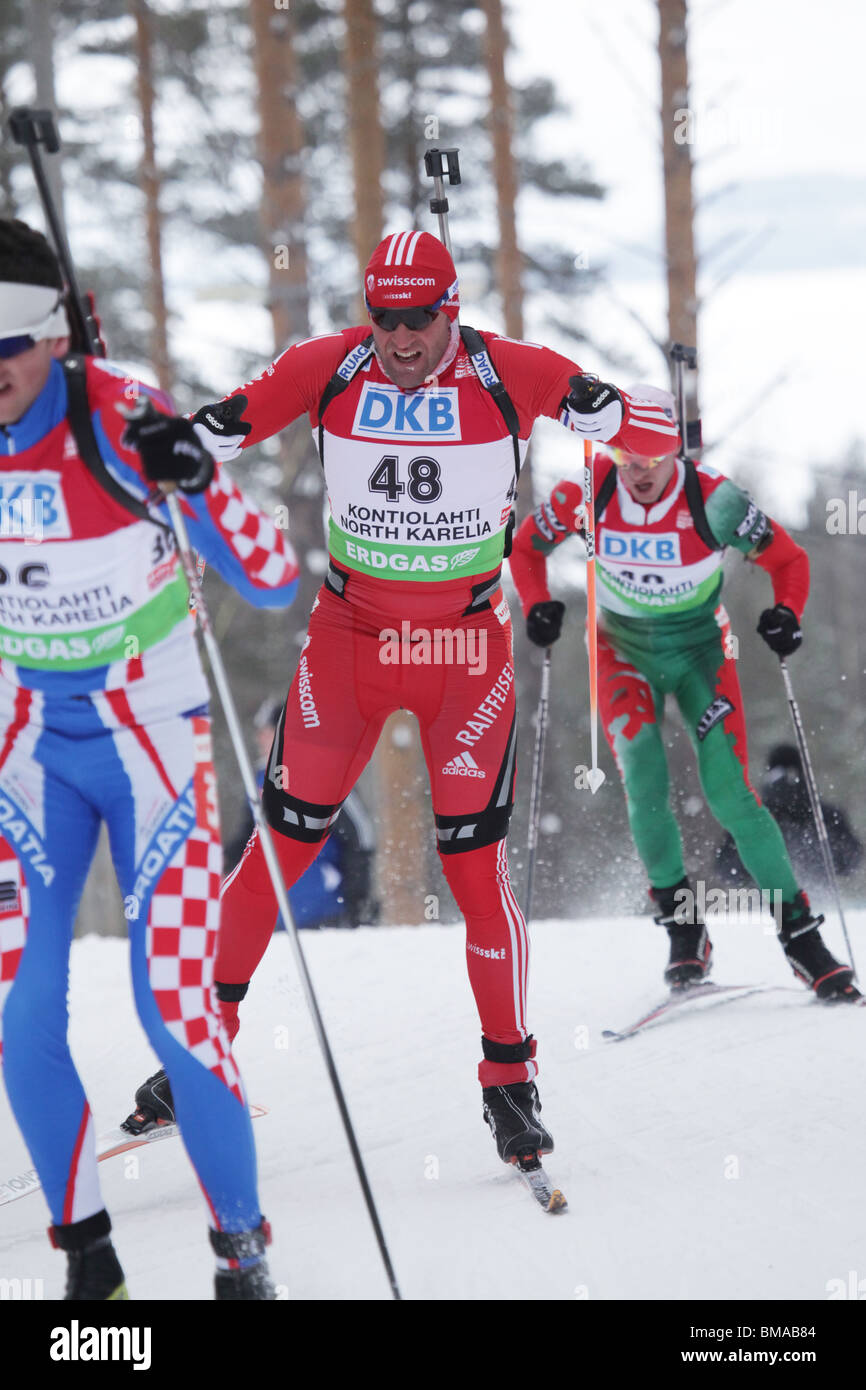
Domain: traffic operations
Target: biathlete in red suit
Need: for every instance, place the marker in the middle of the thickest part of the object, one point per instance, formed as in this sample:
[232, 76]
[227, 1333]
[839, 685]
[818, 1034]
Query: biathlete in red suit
[421, 465]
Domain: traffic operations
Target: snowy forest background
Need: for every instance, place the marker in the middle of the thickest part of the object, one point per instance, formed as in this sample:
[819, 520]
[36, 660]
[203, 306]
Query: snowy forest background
[225, 169]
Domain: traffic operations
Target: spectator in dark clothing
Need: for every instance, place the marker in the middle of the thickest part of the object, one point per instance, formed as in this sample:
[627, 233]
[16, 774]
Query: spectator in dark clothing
[337, 889]
[786, 796]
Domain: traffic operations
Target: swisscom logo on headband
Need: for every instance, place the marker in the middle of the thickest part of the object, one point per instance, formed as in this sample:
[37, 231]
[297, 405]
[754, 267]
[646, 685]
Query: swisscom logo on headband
[386, 412]
[399, 281]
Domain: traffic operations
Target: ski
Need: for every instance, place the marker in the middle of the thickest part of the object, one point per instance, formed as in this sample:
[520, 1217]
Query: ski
[678, 998]
[531, 1170]
[108, 1145]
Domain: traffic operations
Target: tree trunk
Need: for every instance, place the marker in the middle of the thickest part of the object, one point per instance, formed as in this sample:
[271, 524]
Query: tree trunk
[101, 907]
[282, 221]
[398, 774]
[366, 136]
[509, 262]
[408, 70]
[509, 265]
[281, 148]
[677, 130]
[150, 182]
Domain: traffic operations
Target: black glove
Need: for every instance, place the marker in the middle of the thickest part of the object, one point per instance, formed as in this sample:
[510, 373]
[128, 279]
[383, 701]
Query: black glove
[780, 629]
[596, 406]
[169, 447]
[220, 428]
[544, 622]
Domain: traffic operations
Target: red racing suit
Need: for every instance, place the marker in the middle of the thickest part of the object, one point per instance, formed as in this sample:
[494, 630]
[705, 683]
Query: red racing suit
[421, 486]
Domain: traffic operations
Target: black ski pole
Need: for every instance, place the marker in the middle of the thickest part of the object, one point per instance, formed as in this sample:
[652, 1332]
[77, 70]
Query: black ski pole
[535, 789]
[815, 802]
[34, 129]
[275, 872]
[48, 133]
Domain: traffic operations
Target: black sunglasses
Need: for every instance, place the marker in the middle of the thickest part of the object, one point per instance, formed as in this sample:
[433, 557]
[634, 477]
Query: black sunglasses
[415, 319]
[12, 347]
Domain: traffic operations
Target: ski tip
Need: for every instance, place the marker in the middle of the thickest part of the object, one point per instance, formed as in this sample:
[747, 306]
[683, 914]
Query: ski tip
[557, 1201]
[257, 1110]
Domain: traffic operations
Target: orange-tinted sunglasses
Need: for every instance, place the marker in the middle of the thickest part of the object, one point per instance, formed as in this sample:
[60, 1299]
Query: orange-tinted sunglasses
[623, 460]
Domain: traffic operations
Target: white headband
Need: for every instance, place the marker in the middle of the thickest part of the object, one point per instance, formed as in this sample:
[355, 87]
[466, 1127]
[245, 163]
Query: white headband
[657, 395]
[35, 310]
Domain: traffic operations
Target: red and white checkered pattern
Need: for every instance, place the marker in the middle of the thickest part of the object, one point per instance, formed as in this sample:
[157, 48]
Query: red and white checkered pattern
[181, 944]
[264, 550]
[14, 915]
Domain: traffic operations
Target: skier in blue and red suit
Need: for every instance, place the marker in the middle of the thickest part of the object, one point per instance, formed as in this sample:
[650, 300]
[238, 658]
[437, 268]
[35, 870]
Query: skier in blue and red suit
[104, 718]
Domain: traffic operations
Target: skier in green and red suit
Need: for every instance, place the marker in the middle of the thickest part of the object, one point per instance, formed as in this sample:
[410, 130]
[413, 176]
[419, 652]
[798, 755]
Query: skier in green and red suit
[662, 526]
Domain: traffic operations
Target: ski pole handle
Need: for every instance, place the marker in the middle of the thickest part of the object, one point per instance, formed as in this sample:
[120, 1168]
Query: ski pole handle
[681, 357]
[439, 165]
[33, 129]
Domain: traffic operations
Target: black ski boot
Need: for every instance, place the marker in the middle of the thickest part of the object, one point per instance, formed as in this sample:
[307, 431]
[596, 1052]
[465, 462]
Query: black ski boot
[513, 1114]
[154, 1105]
[513, 1111]
[691, 949]
[251, 1278]
[93, 1271]
[809, 958]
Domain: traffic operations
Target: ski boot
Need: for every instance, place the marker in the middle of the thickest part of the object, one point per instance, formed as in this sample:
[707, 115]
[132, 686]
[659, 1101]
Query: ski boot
[154, 1106]
[513, 1114]
[93, 1271]
[512, 1110]
[242, 1271]
[691, 949]
[809, 958]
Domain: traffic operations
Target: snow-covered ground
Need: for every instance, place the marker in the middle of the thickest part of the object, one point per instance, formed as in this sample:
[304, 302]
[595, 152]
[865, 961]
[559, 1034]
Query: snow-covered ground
[717, 1156]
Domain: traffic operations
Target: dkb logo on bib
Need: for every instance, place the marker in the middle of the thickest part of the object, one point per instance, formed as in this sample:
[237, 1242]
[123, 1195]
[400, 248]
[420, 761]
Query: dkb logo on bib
[657, 549]
[385, 412]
